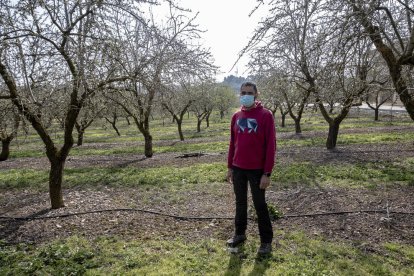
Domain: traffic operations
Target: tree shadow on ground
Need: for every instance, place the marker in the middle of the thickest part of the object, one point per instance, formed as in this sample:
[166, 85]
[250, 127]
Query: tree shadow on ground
[128, 163]
[10, 226]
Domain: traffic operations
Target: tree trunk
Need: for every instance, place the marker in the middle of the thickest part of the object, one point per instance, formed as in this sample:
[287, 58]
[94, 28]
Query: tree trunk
[298, 129]
[208, 120]
[283, 120]
[199, 125]
[5, 149]
[127, 119]
[376, 110]
[80, 137]
[113, 124]
[180, 131]
[393, 62]
[221, 115]
[143, 127]
[55, 183]
[332, 135]
[116, 129]
[148, 145]
[406, 98]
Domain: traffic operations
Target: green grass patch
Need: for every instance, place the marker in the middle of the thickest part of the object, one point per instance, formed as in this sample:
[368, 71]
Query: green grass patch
[24, 178]
[32, 146]
[347, 175]
[211, 147]
[296, 255]
[222, 146]
[372, 138]
[194, 147]
[168, 176]
[305, 173]
[301, 142]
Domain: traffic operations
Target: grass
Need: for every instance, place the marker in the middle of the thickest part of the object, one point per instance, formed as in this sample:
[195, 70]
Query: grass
[372, 138]
[321, 125]
[211, 147]
[31, 146]
[117, 177]
[296, 255]
[218, 146]
[349, 175]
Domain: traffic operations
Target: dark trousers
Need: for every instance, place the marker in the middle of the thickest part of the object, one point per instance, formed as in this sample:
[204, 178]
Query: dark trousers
[240, 179]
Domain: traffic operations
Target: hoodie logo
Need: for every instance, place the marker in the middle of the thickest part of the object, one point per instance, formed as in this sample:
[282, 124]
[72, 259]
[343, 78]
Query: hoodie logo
[247, 123]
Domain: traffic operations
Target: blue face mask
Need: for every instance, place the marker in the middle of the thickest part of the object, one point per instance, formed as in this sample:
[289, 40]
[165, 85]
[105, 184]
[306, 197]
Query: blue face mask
[247, 100]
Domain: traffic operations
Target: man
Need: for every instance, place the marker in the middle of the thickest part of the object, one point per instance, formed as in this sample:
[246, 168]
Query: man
[251, 159]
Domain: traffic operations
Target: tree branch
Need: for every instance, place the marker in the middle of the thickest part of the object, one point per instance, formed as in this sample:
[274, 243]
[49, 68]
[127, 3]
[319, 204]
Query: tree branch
[394, 26]
[406, 6]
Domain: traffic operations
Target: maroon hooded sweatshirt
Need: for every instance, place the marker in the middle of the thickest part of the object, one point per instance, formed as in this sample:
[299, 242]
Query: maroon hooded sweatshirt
[252, 139]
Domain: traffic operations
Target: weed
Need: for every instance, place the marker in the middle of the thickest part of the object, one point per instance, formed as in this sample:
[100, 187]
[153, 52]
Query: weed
[296, 255]
[274, 212]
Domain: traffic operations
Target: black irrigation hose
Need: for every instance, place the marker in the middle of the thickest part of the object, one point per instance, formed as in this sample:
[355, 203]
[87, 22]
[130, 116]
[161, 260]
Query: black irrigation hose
[342, 151]
[195, 218]
[112, 210]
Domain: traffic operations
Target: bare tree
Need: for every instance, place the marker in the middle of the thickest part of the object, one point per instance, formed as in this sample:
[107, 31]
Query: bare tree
[92, 109]
[152, 52]
[177, 101]
[329, 64]
[223, 98]
[203, 103]
[269, 93]
[380, 87]
[294, 53]
[283, 112]
[9, 125]
[63, 45]
[273, 93]
[389, 25]
[344, 79]
[111, 114]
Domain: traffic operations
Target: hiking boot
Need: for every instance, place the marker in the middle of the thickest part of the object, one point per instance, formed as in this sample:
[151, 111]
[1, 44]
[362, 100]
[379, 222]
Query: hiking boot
[265, 248]
[236, 240]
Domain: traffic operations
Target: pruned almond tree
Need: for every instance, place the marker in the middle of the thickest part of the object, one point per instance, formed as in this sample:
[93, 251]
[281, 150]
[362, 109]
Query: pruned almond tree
[390, 27]
[343, 81]
[224, 98]
[58, 52]
[93, 109]
[288, 43]
[153, 52]
[176, 100]
[203, 104]
[381, 90]
[328, 64]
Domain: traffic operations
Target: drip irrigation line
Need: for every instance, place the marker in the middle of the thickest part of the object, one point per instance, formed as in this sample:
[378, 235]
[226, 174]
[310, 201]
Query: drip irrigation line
[29, 218]
[345, 213]
[344, 151]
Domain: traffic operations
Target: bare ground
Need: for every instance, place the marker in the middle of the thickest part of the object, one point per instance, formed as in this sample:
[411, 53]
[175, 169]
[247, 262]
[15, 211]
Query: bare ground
[366, 230]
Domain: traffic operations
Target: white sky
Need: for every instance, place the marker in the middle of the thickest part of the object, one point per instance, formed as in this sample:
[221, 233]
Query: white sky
[228, 29]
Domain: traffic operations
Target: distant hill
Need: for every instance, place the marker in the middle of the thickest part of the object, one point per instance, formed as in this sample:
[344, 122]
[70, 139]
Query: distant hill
[234, 82]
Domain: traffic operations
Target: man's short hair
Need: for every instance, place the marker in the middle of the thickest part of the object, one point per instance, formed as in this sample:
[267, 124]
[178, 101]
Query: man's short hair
[249, 83]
